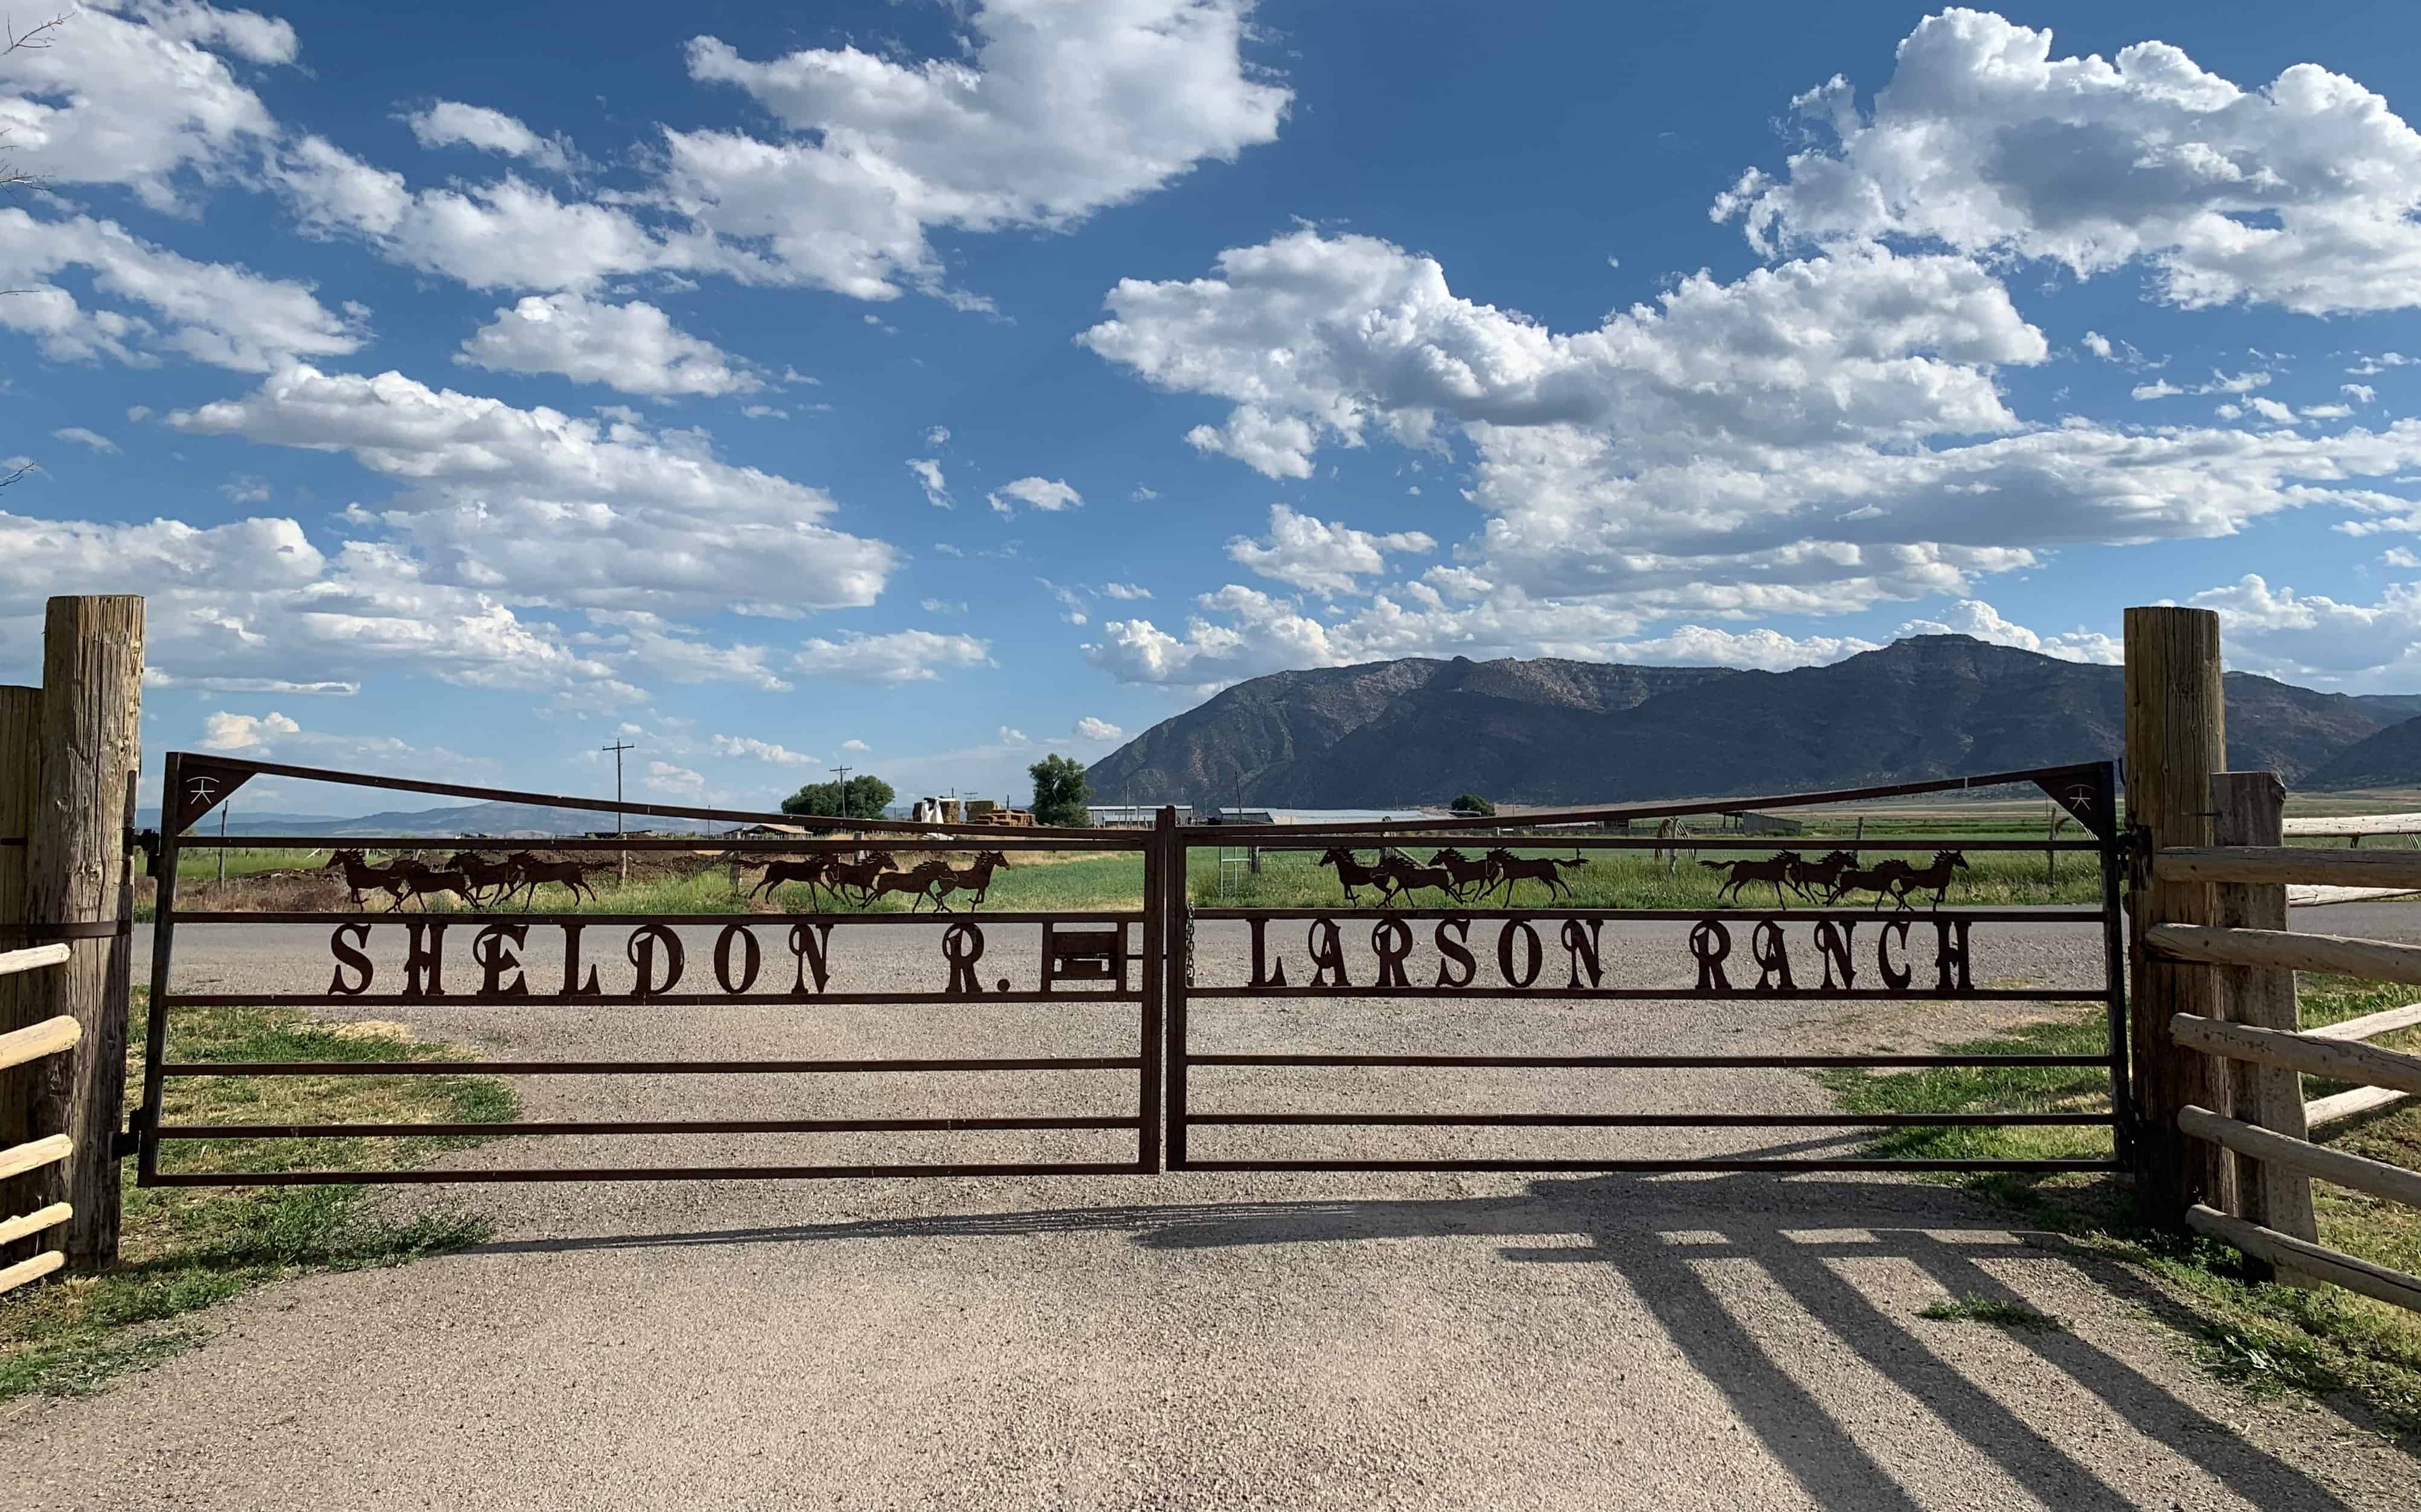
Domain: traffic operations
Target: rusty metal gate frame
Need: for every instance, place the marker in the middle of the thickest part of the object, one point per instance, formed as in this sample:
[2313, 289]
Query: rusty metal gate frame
[2089, 791]
[1118, 947]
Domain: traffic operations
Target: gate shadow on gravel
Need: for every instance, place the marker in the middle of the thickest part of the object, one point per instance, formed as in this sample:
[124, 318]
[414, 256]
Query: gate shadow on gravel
[1657, 1230]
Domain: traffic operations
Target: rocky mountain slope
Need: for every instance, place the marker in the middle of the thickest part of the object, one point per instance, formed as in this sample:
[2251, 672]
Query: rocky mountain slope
[1573, 732]
[2391, 758]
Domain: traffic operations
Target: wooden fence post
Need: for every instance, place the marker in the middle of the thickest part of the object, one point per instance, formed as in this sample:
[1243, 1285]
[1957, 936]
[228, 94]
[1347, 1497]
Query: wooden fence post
[2250, 808]
[79, 886]
[21, 711]
[2176, 740]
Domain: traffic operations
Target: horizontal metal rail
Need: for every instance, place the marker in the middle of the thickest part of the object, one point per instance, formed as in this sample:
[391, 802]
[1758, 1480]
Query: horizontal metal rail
[764, 1068]
[1633, 1063]
[607, 999]
[205, 763]
[2086, 770]
[703, 921]
[1556, 910]
[623, 1173]
[922, 840]
[1627, 994]
[1710, 1166]
[2377, 1177]
[2259, 863]
[2341, 1060]
[1306, 838]
[33, 958]
[2287, 950]
[639, 1125]
[1649, 1120]
[2288, 1253]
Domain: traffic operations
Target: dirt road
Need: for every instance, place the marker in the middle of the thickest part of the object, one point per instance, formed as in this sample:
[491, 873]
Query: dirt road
[1196, 1341]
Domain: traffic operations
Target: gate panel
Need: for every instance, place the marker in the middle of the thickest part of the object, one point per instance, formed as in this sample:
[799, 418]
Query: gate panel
[530, 960]
[1916, 945]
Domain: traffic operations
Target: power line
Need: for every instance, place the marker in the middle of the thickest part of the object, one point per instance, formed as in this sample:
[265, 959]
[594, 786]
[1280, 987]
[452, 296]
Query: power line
[622, 870]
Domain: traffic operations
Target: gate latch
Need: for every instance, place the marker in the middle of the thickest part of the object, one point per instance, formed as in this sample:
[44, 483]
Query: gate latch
[147, 841]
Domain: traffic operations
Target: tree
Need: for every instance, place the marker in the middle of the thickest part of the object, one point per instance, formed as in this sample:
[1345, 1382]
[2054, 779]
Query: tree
[866, 797]
[1473, 804]
[1060, 791]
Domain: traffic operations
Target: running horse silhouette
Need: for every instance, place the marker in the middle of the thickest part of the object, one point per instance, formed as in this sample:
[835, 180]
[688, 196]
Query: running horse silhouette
[425, 881]
[359, 873]
[974, 877]
[1351, 871]
[1882, 878]
[783, 870]
[1935, 877]
[1774, 870]
[917, 881]
[860, 874]
[1407, 876]
[1465, 872]
[1511, 868]
[483, 874]
[1809, 878]
[573, 875]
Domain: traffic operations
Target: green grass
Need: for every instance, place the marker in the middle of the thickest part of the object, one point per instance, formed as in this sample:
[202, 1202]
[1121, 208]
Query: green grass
[2266, 1337]
[1975, 1307]
[184, 1249]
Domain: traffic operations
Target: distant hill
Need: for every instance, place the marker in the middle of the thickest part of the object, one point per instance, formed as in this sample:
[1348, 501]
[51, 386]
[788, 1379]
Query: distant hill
[2391, 758]
[511, 822]
[1576, 732]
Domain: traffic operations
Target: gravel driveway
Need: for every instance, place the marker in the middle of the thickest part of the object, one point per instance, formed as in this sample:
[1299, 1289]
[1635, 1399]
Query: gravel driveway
[1197, 1340]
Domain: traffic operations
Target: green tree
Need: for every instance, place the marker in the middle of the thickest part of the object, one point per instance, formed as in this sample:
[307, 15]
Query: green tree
[1060, 791]
[866, 797]
[1473, 804]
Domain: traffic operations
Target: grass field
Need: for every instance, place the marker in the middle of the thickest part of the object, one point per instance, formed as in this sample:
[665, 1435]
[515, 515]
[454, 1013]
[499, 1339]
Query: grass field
[185, 1248]
[2266, 1335]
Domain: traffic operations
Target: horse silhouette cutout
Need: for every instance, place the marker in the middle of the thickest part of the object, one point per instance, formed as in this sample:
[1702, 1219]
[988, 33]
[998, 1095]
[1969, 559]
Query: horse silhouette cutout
[1810, 879]
[1882, 878]
[1407, 876]
[1350, 872]
[783, 870]
[917, 881]
[1935, 877]
[425, 881]
[359, 873]
[482, 874]
[973, 878]
[1774, 870]
[1466, 873]
[535, 871]
[859, 876]
[1511, 868]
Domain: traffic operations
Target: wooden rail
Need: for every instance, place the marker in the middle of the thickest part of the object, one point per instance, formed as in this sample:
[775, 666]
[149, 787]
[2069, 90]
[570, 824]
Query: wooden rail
[2289, 864]
[14, 961]
[2288, 1253]
[2341, 1060]
[2337, 1107]
[52, 1037]
[2377, 959]
[2354, 826]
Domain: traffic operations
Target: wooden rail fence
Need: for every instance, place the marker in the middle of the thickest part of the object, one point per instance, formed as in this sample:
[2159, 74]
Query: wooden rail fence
[2211, 917]
[22, 1047]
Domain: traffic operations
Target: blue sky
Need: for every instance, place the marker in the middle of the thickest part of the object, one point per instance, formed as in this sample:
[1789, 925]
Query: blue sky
[929, 387]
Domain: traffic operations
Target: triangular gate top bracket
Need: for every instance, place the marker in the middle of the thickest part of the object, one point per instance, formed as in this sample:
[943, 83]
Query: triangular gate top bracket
[2083, 799]
[202, 786]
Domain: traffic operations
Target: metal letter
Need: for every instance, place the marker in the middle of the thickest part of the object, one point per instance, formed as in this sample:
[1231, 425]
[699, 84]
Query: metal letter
[1581, 945]
[750, 959]
[1391, 941]
[350, 955]
[1456, 950]
[641, 952]
[1534, 953]
[492, 948]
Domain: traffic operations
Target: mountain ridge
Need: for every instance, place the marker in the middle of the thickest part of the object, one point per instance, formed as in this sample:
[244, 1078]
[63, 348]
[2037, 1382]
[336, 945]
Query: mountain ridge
[1562, 732]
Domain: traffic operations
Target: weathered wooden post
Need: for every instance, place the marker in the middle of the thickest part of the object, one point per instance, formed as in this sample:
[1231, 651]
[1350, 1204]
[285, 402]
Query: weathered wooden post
[2250, 808]
[20, 719]
[79, 890]
[2176, 740]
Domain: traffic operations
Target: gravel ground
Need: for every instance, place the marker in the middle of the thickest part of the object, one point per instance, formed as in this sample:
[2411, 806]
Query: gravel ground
[1196, 1340]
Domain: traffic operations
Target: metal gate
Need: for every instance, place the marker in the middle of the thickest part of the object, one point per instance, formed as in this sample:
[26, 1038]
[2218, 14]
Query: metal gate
[1091, 963]
[1914, 941]
[1918, 945]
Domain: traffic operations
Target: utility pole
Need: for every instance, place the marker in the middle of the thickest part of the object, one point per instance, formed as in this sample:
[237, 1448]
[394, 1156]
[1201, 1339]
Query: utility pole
[843, 773]
[622, 864]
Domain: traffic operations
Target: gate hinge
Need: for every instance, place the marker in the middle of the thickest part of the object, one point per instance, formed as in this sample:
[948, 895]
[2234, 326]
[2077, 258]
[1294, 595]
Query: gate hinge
[147, 841]
[130, 1141]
